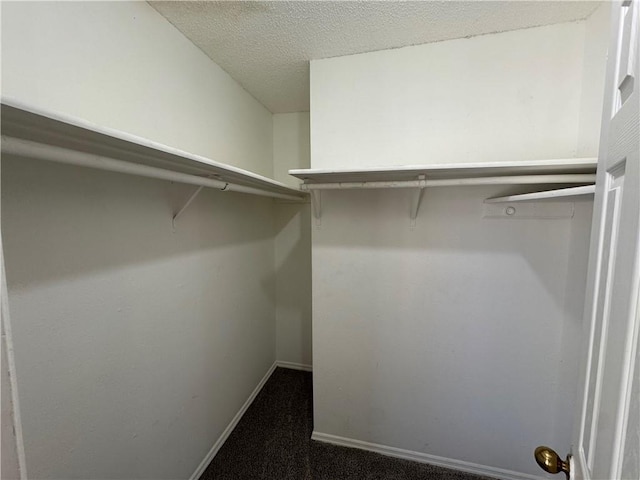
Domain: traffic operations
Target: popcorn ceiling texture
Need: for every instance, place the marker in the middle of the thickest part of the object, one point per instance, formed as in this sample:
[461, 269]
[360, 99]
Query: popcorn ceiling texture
[266, 46]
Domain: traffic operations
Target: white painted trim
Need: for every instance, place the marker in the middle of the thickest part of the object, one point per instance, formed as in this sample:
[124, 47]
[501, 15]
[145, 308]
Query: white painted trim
[294, 366]
[7, 342]
[633, 332]
[234, 421]
[227, 431]
[579, 466]
[423, 457]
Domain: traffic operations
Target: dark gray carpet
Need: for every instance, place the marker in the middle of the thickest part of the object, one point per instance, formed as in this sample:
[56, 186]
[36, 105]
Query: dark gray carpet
[272, 441]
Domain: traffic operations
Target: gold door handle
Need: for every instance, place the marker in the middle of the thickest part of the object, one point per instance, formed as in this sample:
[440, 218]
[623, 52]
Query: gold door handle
[550, 461]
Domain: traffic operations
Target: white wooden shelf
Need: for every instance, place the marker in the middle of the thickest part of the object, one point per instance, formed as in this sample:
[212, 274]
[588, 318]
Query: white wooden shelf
[580, 173]
[32, 132]
[501, 171]
[556, 193]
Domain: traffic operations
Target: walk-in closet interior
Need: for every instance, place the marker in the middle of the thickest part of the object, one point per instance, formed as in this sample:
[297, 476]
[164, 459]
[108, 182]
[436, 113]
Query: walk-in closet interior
[170, 236]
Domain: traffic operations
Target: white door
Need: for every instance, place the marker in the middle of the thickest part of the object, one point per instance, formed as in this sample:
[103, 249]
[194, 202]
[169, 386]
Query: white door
[606, 441]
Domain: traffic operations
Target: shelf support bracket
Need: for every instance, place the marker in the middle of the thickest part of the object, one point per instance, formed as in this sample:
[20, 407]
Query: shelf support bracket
[416, 200]
[186, 204]
[316, 204]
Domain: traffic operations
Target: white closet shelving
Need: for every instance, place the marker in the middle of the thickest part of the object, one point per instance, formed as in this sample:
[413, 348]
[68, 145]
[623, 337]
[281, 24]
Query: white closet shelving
[576, 175]
[556, 193]
[571, 170]
[33, 133]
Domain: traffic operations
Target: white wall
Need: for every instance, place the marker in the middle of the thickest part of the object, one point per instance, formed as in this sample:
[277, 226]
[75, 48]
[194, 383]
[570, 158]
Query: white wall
[122, 65]
[290, 145]
[293, 283]
[504, 97]
[292, 243]
[457, 339]
[135, 345]
[596, 43]
[448, 339]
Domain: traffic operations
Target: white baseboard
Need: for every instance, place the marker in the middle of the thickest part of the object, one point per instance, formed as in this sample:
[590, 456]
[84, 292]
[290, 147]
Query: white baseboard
[227, 431]
[294, 366]
[424, 458]
[352, 443]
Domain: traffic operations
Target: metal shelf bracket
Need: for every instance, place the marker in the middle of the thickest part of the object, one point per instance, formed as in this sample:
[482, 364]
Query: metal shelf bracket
[316, 205]
[416, 200]
[184, 207]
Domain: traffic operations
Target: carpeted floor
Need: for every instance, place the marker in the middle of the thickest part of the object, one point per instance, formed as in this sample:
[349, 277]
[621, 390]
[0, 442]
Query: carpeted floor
[272, 441]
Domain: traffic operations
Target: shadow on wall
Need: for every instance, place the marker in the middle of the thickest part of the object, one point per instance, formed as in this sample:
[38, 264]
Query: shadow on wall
[61, 221]
[450, 228]
[293, 282]
[293, 257]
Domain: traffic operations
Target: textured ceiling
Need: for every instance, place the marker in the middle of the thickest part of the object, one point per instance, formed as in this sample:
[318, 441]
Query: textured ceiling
[266, 46]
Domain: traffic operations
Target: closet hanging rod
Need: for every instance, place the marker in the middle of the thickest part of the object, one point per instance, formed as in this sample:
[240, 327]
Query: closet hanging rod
[40, 151]
[450, 182]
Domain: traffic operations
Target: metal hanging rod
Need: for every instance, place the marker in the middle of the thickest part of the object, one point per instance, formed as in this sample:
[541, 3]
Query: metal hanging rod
[451, 182]
[29, 149]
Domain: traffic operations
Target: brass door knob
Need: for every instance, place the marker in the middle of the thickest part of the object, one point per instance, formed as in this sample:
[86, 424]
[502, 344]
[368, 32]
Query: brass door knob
[550, 461]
